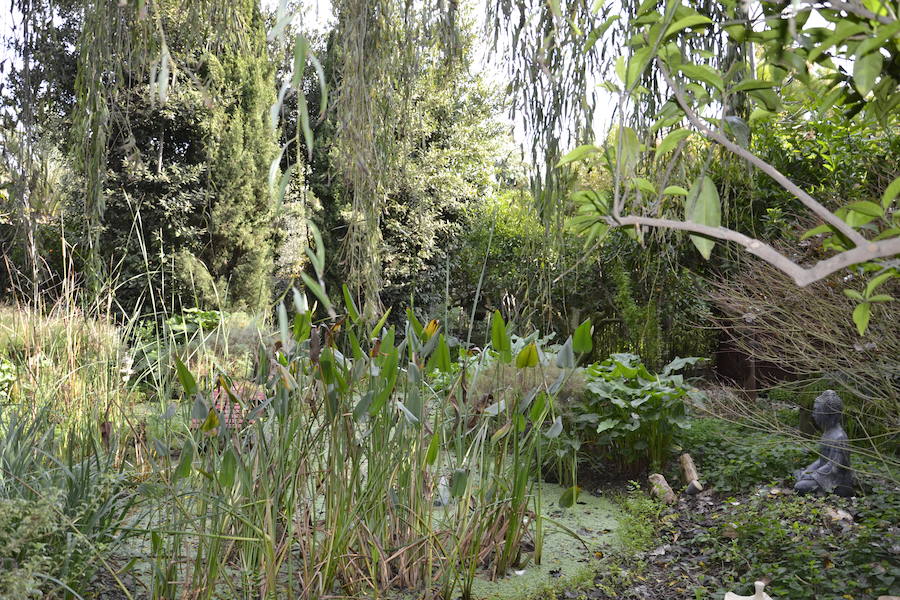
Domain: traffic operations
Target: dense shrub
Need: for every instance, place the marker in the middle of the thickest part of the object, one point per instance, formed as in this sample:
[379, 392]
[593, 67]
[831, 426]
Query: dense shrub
[629, 419]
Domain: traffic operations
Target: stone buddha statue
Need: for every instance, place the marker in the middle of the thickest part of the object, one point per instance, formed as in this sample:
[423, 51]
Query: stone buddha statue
[830, 473]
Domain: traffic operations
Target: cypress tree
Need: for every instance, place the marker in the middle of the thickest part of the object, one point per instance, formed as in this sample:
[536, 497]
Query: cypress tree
[238, 253]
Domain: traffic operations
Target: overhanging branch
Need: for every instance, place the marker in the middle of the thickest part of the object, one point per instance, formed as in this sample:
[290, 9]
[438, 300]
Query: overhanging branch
[802, 276]
[808, 201]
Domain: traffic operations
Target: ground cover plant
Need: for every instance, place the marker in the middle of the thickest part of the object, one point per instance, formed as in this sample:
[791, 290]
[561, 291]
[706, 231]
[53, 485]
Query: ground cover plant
[749, 525]
[289, 310]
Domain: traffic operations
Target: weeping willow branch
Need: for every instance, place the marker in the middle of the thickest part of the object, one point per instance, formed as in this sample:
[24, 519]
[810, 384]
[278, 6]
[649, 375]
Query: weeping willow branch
[382, 48]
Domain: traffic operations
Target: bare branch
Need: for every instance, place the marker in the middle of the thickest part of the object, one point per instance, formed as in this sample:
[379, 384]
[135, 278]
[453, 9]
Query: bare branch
[802, 276]
[807, 200]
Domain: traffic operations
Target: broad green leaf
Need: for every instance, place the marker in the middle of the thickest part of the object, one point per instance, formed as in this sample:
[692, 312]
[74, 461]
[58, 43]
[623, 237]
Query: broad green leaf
[627, 138]
[854, 295]
[864, 207]
[187, 458]
[433, 446]
[769, 99]
[689, 21]
[816, 231]
[606, 424]
[644, 185]
[227, 469]
[881, 298]
[703, 207]
[854, 218]
[565, 359]
[760, 114]
[620, 68]
[538, 408]
[569, 497]
[878, 280]
[376, 331]
[753, 84]
[703, 73]
[890, 193]
[579, 153]
[861, 316]
[416, 324]
[440, 359]
[527, 357]
[866, 70]
[842, 31]
[882, 34]
[675, 190]
[350, 304]
[500, 338]
[596, 34]
[555, 429]
[184, 376]
[636, 66]
[887, 233]
[582, 339]
[670, 141]
[498, 435]
[211, 423]
[458, 483]
[316, 289]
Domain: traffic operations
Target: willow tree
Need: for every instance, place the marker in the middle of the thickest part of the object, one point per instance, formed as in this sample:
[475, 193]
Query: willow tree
[382, 49]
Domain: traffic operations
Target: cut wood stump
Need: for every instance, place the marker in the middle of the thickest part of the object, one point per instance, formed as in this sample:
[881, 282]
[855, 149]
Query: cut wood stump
[661, 489]
[690, 474]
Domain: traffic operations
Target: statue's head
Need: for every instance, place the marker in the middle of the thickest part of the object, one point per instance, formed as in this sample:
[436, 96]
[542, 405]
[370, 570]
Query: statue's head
[827, 410]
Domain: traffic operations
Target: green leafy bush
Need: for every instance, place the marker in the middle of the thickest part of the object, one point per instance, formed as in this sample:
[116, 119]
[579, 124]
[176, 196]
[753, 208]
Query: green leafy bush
[630, 418]
[60, 515]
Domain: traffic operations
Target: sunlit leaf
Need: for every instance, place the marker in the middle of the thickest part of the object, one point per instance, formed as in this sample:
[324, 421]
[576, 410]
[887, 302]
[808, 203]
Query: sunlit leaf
[527, 357]
[866, 69]
[433, 447]
[579, 153]
[675, 190]
[703, 207]
[582, 339]
[890, 193]
[186, 378]
[349, 304]
[671, 140]
[703, 73]
[500, 338]
[861, 315]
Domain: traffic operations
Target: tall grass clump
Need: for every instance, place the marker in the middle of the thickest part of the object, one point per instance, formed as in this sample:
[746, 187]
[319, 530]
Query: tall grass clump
[355, 467]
